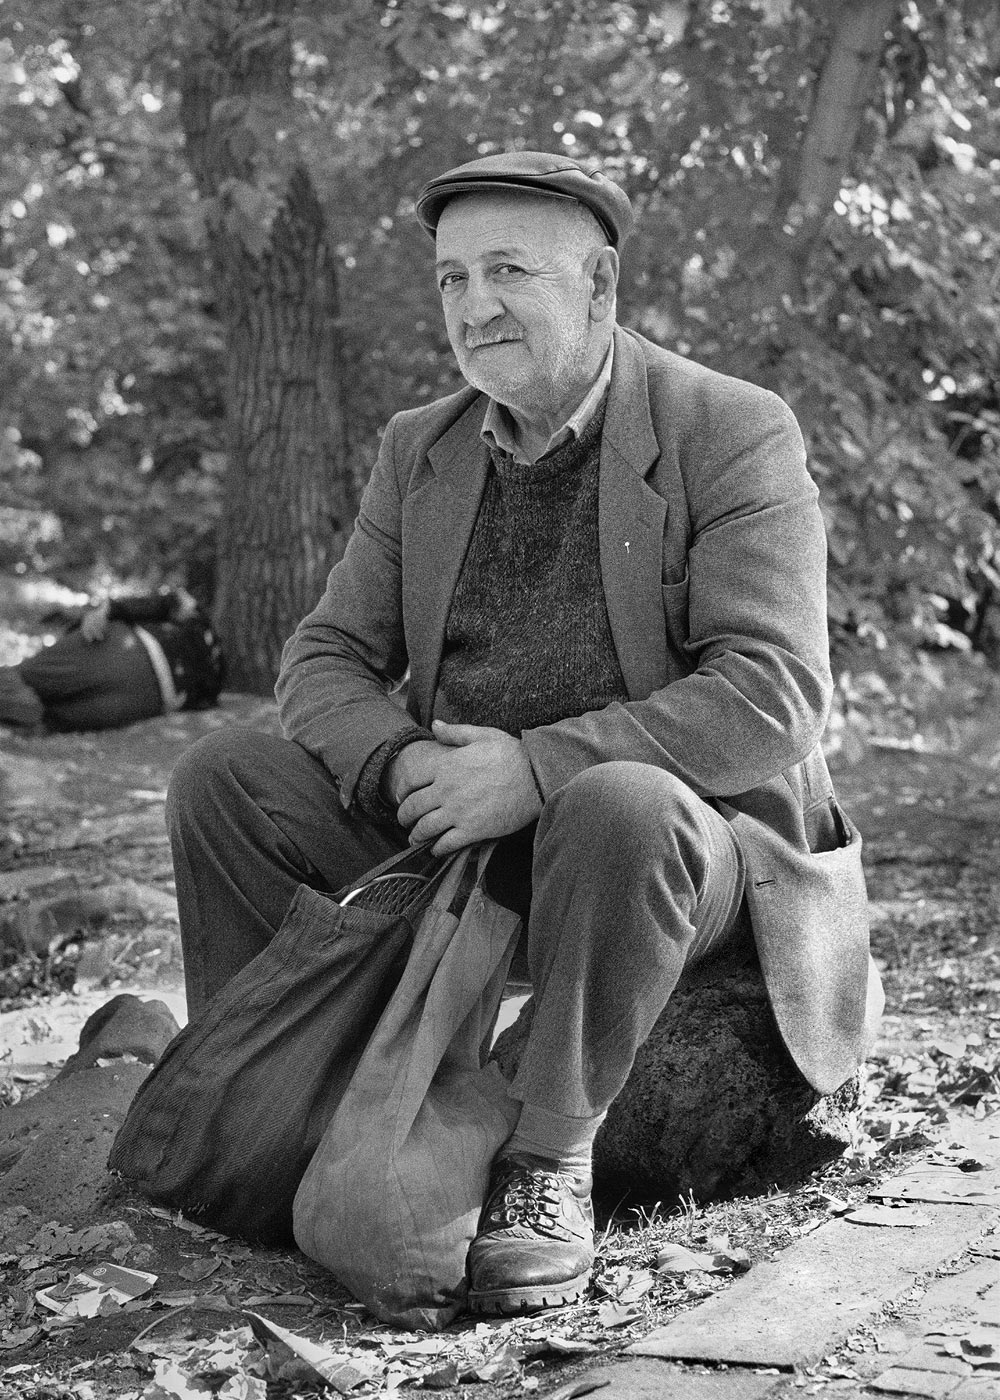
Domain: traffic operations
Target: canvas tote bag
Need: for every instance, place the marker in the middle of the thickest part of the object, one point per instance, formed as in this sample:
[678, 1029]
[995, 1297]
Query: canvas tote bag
[224, 1126]
[391, 1199]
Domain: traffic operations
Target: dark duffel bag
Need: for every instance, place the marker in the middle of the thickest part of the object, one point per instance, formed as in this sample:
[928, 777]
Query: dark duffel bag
[225, 1125]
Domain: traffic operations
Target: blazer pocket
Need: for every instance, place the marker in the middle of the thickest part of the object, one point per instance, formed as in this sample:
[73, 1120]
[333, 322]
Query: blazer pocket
[827, 827]
[675, 619]
[674, 583]
[673, 575]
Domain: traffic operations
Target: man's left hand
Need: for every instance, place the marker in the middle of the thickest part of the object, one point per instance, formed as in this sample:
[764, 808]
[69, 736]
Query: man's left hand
[482, 788]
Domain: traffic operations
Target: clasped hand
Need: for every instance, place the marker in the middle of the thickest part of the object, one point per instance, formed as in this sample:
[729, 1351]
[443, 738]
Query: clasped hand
[473, 783]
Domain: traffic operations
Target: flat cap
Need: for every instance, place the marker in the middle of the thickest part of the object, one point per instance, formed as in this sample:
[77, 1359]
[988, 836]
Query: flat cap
[532, 172]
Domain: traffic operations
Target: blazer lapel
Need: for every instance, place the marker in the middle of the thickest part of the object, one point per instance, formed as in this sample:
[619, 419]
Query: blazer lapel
[438, 519]
[631, 517]
[440, 515]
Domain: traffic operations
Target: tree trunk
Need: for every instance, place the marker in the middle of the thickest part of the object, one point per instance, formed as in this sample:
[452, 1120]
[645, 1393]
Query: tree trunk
[842, 92]
[289, 496]
[779, 263]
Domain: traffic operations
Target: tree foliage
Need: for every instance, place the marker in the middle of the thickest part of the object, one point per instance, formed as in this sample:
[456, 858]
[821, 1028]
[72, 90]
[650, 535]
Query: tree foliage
[817, 189]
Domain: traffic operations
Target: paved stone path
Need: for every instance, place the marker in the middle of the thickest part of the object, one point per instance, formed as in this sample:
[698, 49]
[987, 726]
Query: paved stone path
[927, 1291]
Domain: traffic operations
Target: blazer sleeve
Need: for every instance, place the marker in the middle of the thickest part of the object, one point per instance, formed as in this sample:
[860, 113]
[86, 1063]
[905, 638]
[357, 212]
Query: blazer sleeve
[344, 658]
[751, 659]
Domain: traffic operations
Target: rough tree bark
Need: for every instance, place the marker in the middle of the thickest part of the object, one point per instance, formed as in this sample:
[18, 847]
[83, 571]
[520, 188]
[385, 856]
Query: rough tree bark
[842, 92]
[289, 494]
[777, 263]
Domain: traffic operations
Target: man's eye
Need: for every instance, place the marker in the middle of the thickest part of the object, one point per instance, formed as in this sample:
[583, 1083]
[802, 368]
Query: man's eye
[508, 270]
[450, 281]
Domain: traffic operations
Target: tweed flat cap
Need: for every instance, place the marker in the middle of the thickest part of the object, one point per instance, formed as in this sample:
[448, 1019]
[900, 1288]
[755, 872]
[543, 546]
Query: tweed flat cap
[532, 172]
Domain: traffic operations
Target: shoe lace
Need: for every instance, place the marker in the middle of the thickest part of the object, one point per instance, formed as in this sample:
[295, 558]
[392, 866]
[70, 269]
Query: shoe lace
[529, 1198]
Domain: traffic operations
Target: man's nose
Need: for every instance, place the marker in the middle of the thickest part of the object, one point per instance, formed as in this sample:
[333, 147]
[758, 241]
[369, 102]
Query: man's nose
[480, 305]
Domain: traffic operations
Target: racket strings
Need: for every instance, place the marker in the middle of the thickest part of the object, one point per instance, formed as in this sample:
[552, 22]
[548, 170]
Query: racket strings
[402, 892]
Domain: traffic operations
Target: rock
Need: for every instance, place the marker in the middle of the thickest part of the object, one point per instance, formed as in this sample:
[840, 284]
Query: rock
[714, 1106]
[123, 1026]
[54, 1146]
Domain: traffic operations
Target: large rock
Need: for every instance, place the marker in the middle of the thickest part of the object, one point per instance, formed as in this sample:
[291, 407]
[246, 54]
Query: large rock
[714, 1106]
[54, 1145]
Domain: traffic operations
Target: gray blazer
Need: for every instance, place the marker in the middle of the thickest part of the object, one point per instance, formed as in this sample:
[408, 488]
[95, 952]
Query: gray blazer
[713, 560]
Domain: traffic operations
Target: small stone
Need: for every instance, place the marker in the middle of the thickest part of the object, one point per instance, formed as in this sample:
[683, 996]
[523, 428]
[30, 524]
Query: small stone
[123, 1026]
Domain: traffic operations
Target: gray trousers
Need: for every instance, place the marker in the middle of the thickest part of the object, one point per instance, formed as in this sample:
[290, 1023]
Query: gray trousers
[627, 878]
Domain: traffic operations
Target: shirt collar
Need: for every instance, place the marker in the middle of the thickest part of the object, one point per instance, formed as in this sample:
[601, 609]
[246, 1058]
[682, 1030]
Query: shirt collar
[498, 425]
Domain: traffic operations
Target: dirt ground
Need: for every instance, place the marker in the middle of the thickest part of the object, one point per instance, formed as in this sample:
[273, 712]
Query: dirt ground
[85, 880]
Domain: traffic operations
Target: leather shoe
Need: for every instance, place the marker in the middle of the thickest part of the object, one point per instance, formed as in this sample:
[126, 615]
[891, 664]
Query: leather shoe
[535, 1244]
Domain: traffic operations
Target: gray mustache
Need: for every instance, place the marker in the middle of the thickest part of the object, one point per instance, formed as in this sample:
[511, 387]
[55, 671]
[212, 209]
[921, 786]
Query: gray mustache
[492, 334]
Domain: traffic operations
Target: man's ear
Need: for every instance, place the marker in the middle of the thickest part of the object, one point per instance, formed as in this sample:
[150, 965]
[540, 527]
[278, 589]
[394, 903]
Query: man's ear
[603, 284]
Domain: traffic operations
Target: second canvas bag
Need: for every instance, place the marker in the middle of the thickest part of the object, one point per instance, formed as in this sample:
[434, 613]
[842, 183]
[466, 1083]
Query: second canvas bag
[391, 1199]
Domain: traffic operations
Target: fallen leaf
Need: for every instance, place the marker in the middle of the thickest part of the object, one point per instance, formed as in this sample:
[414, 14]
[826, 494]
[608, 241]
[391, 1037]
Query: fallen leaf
[444, 1378]
[243, 1387]
[939, 1183]
[500, 1366]
[900, 1216]
[55, 1241]
[289, 1300]
[835, 1205]
[429, 1346]
[905, 1142]
[627, 1285]
[561, 1346]
[175, 1218]
[618, 1314]
[736, 1261]
[334, 1367]
[199, 1269]
[17, 1337]
[980, 1343]
[675, 1259]
[170, 1383]
[584, 1386]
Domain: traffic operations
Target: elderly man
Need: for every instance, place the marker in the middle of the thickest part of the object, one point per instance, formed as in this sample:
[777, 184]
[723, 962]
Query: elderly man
[602, 566]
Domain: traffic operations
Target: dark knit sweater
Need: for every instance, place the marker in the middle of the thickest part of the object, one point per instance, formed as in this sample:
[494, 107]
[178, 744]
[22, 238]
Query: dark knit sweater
[527, 641]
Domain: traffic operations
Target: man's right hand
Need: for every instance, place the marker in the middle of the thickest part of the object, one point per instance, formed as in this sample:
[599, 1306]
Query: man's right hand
[472, 785]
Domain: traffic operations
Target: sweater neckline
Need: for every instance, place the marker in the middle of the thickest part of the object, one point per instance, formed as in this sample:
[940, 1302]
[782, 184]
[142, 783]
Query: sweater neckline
[567, 460]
